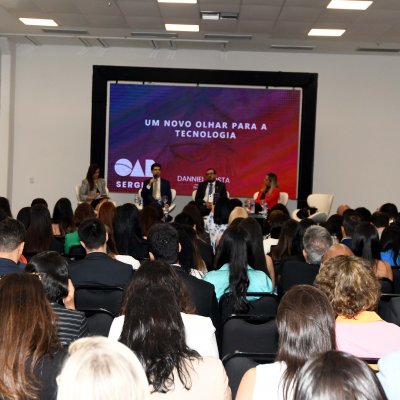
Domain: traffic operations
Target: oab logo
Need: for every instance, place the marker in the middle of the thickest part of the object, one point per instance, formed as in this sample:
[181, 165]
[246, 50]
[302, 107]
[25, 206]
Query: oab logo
[124, 167]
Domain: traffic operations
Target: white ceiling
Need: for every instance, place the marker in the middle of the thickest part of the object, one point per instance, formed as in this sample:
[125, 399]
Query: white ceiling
[260, 24]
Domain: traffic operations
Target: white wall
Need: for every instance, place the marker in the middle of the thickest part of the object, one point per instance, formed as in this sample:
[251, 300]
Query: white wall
[358, 116]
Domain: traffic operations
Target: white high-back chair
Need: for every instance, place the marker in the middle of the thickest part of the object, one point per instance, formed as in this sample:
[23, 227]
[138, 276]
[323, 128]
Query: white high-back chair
[322, 202]
[283, 198]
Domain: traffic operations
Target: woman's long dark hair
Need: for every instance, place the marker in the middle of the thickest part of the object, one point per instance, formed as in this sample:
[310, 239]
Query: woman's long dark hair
[306, 326]
[63, 215]
[284, 247]
[154, 330]
[235, 249]
[89, 175]
[365, 242]
[222, 209]
[39, 234]
[390, 241]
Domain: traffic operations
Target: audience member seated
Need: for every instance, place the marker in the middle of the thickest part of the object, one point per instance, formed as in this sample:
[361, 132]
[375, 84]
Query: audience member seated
[390, 245]
[354, 292]
[93, 188]
[342, 208]
[5, 206]
[296, 253]
[335, 375]
[269, 193]
[380, 221]
[388, 375]
[192, 208]
[39, 236]
[349, 223]
[62, 217]
[364, 214]
[334, 226]
[12, 240]
[99, 369]
[154, 330]
[127, 233]
[366, 244]
[306, 327]
[217, 220]
[316, 241]
[164, 246]
[30, 352]
[337, 249]
[273, 227]
[82, 212]
[39, 200]
[52, 270]
[199, 331]
[97, 268]
[150, 215]
[24, 216]
[237, 212]
[391, 210]
[234, 273]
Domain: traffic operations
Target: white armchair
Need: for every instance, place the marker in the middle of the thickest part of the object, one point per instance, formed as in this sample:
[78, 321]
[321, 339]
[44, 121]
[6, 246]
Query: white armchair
[322, 202]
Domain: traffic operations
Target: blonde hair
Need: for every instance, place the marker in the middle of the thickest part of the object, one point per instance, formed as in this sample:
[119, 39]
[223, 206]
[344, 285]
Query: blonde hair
[98, 368]
[237, 212]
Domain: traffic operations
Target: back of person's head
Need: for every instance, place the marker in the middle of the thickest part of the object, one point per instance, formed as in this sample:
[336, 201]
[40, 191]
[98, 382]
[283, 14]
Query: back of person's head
[92, 233]
[316, 242]
[24, 216]
[184, 219]
[126, 228]
[27, 331]
[192, 208]
[276, 219]
[333, 224]
[280, 207]
[336, 375]
[63, 214]
[306, 326]
[102, 369]
[337, 249]
[188, 256]
[284, 247]
[52, 269]
[40, 201]
[350, 284]
[297, 243]
[222, 210]
[164, 243]
[390, 241]
[39, 234]
[12, 234]
[365, 242]
[380, 219]
[150, 215]
[107, 213]
[364, 214]
[154, 274]
[82, 212]
[154, 330]
[237, 212]
[350, 221]
[235, 202]
[5, 206]
[235, 249]
[390, 209]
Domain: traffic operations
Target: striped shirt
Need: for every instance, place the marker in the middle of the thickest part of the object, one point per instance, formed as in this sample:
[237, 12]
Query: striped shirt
[71, 324]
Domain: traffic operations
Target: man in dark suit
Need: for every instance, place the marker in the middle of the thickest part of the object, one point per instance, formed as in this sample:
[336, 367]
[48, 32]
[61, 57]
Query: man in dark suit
[316, 242]
[164, 246]
[155, 188]
[98, 268]
[208, 189]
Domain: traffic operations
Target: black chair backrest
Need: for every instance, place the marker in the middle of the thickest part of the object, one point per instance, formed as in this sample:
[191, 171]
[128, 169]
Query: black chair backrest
[77, 252]
[249, 333]
[266, 305]
[94, 297]
[98, 321]
[237, 364]
[389, 308]
[386, 285]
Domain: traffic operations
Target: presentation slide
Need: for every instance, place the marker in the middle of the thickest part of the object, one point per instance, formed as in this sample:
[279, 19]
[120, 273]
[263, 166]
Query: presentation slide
[242, 132]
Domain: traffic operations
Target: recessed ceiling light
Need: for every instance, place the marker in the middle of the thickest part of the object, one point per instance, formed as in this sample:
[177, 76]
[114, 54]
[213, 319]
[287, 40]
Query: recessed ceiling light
[178, 1]
[349, 4]
[210, 15]
[38, 22]
[182, 27]
[326, 32]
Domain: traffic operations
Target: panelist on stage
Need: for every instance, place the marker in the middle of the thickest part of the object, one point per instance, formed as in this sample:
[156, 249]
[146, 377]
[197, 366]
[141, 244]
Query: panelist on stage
[270, 191]
[155, 188]
[93, 188]
[207, 189]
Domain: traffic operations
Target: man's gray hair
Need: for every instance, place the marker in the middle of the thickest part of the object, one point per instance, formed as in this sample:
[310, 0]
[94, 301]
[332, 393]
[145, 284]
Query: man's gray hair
[316, 242]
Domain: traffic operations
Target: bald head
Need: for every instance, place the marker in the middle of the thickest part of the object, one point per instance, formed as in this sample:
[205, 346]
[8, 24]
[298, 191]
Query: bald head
[342, 208]
[335, 250]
